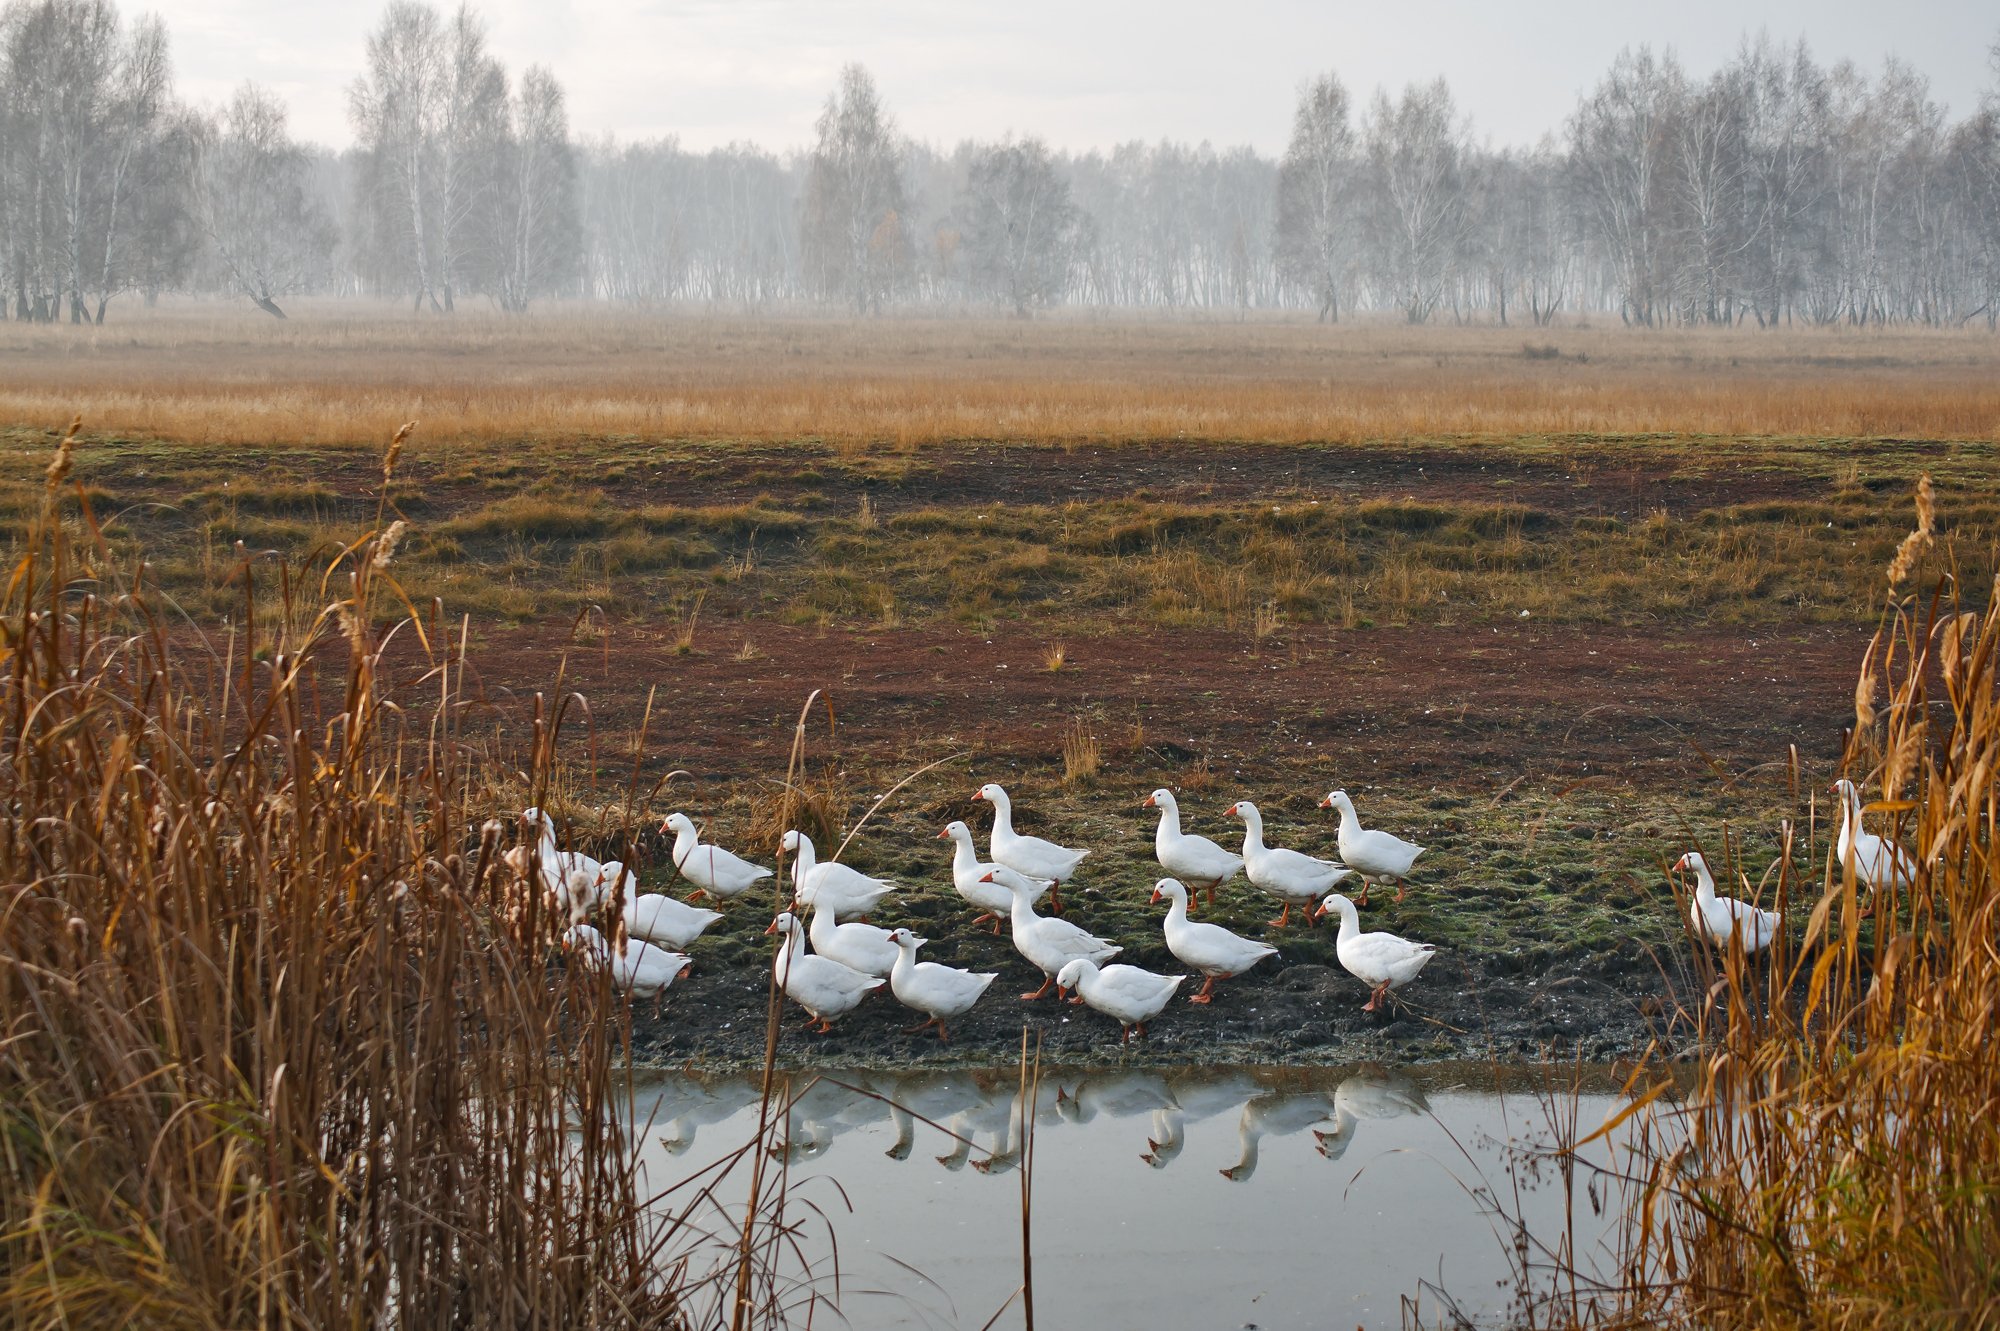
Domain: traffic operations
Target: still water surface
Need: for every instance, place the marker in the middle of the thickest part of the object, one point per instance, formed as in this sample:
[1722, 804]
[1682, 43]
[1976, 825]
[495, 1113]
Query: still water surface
[1162, 1198]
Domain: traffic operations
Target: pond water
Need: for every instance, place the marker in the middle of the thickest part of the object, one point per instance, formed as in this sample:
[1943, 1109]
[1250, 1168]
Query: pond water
[1162, 1198]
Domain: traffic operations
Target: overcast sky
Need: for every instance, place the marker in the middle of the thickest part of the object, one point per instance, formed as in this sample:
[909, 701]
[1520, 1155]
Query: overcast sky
[1080, 73]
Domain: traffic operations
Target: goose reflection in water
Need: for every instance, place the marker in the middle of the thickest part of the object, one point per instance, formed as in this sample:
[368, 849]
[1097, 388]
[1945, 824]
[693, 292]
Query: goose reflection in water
[689, 1104]
[979, 1110]
[1368, 1095]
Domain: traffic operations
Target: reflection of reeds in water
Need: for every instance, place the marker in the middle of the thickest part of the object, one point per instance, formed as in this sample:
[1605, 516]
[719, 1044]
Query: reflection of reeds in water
[1833, 1161]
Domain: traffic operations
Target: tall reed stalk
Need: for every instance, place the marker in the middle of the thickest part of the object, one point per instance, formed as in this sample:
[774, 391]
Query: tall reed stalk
[280, 1044]
[1836, 1161]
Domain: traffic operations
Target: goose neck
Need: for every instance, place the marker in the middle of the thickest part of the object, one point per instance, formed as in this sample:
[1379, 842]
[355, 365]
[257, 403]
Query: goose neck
[1253, 832]
[1170, 822]
[1350, 920]
[1704, 885]
[1003, 814]
[804, 859]
[964, 858]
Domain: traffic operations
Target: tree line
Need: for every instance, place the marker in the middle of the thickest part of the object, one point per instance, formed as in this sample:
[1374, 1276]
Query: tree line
[1775, 191]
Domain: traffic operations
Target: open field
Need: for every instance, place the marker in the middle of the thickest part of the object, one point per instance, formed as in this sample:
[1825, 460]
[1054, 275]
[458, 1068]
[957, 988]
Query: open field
[1555, 658]
[349, 374]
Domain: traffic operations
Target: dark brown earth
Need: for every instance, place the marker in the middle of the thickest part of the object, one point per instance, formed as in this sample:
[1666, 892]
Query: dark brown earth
[1475, 706]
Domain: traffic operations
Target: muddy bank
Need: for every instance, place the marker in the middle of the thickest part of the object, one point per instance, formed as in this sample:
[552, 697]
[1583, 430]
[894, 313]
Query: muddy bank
[1464, 1008]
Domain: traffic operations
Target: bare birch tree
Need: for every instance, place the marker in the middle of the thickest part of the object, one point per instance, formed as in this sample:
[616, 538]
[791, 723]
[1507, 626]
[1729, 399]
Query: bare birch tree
[1316, 214]
[852, 226]
[270, 230]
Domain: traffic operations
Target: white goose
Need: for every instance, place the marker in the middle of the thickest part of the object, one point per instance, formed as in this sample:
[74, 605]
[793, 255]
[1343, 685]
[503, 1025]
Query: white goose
[996, 898]
[1716, 918]
[1376, 855]
[1878, 861]
[570, 876]
[715, 872]
[1295, 879]
[820, 985]
[1195, 860]
[844, 891]
[655, 917]
[1382, 961]
[939, 992]
[861, 947]
[1129, 996]
[1050, 944]
[1209, 948]
[1030, 856]
[638, 969]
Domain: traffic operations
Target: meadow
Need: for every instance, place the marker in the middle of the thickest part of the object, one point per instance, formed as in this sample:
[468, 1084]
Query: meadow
[1560, 608]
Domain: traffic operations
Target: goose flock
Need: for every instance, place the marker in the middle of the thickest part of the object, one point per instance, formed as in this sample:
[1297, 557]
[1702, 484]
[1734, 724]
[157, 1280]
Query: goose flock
[834, 959]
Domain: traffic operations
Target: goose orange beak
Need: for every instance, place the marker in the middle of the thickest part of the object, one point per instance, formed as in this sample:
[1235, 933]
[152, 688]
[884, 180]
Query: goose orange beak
[1155, 898]
[1317, 911]
[942, 834]
[1149, 803]
[773, 929]
[1326, 803]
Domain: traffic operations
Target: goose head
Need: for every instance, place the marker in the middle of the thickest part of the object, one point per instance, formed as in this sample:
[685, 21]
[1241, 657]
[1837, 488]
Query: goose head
[679, 824]
[1337, 799]
[906, 940]
[793, 840]
[1170, 888]
[1243, 809]
[786, 924]
[535, 820]
[956, 831]
[1333, 901]
[1071, 975]
[991, 793]
[1014, 886]
[1694, 863]
[1159, 799]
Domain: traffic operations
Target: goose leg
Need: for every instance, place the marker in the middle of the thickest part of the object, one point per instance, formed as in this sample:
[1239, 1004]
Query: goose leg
[1284, 917]
[700, 892]
[1204, 996]
[825, 1027]
[1366, 883]
[989, 915]
[1048, 982]
[1399, 891]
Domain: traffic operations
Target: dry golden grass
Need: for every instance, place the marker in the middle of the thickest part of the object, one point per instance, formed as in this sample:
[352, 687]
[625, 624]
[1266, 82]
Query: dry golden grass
[1082, 755]
[283, 1044]
[347, 374]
